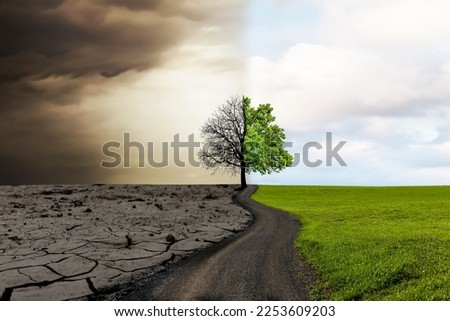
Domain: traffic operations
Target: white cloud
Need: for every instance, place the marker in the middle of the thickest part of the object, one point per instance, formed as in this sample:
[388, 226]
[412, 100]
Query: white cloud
[394, 22]
[316, 85]
[378, 77]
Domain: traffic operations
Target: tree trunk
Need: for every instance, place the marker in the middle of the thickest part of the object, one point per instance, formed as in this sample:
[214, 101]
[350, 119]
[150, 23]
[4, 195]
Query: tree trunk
[243, 178]
[242, 156]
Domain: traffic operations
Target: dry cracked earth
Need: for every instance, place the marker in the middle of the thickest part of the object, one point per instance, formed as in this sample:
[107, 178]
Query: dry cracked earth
[67, 242]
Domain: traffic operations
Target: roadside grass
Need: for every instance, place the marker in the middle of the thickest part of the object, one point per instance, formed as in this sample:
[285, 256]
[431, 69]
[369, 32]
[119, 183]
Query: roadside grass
[371, 243]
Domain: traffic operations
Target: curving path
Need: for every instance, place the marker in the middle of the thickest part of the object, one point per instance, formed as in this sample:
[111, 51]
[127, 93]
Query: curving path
[257, 264]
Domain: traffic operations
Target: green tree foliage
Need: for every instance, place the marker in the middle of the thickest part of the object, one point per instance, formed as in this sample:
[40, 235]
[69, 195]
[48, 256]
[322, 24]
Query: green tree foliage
[264, 152]
[244, 139]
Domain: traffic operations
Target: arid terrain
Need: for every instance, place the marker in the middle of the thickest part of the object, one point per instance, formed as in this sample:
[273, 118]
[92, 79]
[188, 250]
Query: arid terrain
[64, 242]
[259, 264]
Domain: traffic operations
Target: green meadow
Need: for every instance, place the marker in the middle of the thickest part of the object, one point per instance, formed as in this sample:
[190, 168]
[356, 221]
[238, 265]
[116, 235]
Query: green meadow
[371, 243]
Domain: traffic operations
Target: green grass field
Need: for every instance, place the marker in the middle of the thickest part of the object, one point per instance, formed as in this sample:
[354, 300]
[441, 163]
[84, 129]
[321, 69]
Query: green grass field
[371, 243]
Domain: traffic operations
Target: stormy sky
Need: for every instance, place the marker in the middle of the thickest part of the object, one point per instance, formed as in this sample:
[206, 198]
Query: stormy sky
[77, 73]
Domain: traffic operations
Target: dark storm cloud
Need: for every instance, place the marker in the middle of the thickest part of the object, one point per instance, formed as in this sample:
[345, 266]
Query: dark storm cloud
[79, 38]
[50, 51]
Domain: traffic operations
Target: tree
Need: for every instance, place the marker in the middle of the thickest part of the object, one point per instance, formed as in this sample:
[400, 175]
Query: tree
[243, 139]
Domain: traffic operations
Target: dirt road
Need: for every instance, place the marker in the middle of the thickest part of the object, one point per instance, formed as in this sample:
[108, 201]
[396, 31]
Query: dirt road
[257, 264]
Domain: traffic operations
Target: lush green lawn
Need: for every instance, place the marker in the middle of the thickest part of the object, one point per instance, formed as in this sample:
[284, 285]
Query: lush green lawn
[372, 243]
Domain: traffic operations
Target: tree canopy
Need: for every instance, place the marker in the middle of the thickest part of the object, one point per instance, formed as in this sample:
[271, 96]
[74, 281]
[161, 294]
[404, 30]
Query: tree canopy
[243, 139]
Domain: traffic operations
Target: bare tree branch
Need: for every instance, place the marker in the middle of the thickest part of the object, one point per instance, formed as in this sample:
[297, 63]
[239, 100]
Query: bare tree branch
[224, 134]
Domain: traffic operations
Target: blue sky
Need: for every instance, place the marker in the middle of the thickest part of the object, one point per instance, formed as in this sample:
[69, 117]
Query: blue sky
[272, 27]
[376, 73]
